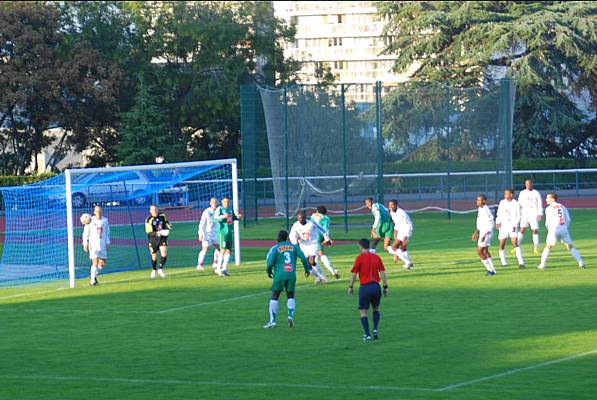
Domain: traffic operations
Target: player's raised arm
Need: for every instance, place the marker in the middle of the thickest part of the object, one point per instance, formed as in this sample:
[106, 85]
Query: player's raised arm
[376, 215]
[322, 231]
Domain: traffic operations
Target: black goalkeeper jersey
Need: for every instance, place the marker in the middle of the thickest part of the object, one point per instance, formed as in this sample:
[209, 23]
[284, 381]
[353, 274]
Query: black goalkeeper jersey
[155, 224]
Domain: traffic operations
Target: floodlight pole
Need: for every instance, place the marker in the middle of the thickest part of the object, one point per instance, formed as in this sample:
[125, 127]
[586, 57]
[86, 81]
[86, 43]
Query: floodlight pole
[69, 229]
[235, 210]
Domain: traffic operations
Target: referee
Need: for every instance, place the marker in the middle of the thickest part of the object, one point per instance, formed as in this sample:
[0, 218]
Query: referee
[369, 267]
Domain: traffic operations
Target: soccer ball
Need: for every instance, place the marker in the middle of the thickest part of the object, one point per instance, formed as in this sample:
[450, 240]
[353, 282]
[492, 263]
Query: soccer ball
[85, 219]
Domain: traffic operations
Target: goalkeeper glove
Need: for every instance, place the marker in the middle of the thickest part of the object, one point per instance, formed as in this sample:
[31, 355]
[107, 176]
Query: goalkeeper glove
[307, 273]
[270, 275]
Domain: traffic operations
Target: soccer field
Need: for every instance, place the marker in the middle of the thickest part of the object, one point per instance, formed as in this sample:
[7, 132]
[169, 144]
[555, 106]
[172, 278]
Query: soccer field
[447, 331]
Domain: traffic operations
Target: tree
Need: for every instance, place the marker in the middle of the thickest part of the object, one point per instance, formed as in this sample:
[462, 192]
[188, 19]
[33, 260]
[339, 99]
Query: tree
[116, 30]
[549, 48]
[144, 131]
[206, 50]
[46, 82]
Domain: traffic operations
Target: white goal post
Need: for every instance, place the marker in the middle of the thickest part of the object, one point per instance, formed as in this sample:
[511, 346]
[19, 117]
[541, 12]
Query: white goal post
[72, 174]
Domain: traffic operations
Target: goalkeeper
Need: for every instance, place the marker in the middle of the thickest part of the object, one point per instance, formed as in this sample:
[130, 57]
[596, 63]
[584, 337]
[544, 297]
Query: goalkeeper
[157, 228]
[281, 267]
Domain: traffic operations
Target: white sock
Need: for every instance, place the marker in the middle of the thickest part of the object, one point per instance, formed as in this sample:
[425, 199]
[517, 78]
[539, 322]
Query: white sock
[536, 240]
[544, 256]
[93, 273]
[273, 310]
[520, 235]
[225, 263]
[216, 259]
[490, 263]
[486, 265]
[576, 256]
[405, 257]
[317, 272]
[519, 255]
[291, 305]
[503, 257]
[326, 262]
[201, 257]
[391, 250]
[372, 251]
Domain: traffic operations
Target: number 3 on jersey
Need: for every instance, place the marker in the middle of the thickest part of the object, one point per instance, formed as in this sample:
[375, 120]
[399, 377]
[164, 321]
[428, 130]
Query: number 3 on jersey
[287, 262]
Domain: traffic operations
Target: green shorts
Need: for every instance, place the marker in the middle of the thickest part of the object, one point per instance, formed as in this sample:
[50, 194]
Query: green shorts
[320, 243]
[226, 241]
[385, 230]
[279, 285]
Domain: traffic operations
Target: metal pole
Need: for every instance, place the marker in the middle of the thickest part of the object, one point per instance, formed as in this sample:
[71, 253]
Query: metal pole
[449, 166]
[69, 228]
[286, 154]
[380, 186]
[344, 167]
[234, 171]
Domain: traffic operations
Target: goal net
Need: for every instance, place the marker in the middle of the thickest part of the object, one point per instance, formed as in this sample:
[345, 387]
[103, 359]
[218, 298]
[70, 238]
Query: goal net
[43, 232]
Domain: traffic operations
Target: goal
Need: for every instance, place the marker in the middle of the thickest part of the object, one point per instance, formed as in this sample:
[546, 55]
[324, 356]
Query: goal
[42, 239]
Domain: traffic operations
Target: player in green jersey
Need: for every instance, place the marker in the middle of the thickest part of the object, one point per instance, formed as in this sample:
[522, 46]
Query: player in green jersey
[320, 217]
[281, 267]
[383, 226]
[224, 218]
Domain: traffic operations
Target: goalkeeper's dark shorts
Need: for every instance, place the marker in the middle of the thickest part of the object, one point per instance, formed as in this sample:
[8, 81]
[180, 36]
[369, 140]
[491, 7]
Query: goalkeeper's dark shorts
[369, 294]
[156, 242]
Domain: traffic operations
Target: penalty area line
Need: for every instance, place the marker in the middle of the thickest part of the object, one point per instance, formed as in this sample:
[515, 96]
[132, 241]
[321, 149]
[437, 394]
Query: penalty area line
[136, 381]
[516, 370]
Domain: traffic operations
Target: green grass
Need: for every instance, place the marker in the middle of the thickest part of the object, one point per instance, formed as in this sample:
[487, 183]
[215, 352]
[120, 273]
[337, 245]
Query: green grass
[194, 335]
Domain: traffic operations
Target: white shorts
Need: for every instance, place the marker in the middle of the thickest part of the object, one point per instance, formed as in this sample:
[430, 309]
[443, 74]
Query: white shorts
[211, 239]
[506, 232]
[484, 239]
[309, 249]
[558, 234]
[403, 232]
[98, 253]
[529, 220]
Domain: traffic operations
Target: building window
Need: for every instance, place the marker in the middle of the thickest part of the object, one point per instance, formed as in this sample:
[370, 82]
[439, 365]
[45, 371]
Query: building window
[293, 20]
[333, 42]
[339, 18]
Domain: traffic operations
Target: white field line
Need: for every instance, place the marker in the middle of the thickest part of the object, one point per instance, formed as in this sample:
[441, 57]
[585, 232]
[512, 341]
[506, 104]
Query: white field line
[183, 307]
[289, 385]
[31, 293]
[516, 370]
[136, 381]
[226, 300]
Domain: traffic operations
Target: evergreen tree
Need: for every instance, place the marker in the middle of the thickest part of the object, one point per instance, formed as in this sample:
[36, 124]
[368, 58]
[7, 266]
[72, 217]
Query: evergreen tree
[144, 130]
[549, 48]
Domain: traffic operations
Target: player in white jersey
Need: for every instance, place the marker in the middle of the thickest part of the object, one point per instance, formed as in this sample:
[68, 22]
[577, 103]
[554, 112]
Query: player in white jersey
[531, 213]
[96, 241]
[507, 221]
[483, 232]
[208, 235]
[403, 230]
[557, 220]
[306, 233]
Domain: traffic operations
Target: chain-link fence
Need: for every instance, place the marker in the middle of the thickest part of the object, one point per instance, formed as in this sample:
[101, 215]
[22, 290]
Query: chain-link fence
[307, 145]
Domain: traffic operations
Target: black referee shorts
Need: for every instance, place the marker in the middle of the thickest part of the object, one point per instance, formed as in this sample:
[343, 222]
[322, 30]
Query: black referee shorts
[369, 294]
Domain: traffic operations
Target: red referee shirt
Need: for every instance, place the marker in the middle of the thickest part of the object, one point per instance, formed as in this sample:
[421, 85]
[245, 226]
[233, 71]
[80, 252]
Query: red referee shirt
[368, 265]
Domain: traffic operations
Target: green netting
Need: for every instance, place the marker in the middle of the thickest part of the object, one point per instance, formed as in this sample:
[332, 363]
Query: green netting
[305, 145]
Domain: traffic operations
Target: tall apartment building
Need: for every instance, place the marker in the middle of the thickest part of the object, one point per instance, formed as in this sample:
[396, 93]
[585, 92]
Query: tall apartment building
[344, 35]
